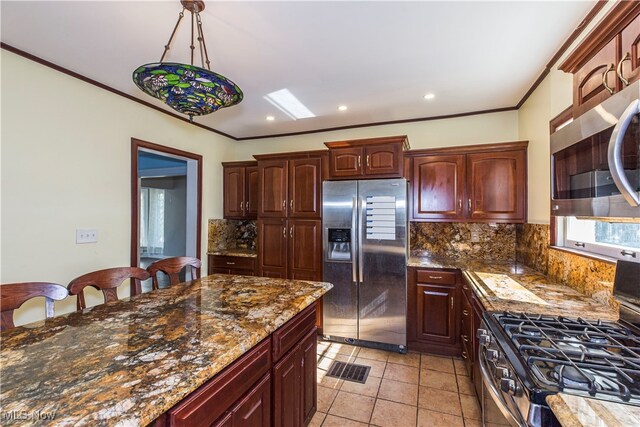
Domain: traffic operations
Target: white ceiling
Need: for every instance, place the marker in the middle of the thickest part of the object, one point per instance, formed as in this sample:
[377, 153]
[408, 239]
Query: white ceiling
[379, 58]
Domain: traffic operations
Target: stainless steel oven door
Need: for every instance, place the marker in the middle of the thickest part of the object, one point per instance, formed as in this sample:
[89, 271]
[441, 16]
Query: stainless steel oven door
[497, 408]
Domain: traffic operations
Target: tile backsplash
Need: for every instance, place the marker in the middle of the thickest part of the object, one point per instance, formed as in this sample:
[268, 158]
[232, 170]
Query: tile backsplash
[464, 240]
[231, 234]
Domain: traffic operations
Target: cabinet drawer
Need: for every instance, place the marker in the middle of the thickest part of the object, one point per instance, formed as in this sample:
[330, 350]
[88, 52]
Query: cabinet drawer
[289, 335]
[215, 397]
[436, 276]
[233, 262]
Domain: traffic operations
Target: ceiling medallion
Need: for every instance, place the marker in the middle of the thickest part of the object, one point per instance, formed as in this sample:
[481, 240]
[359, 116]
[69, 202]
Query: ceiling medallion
[188, 89]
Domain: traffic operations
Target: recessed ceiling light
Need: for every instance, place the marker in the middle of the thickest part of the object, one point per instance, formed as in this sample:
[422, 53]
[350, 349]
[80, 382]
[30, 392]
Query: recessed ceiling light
[343, 108]
[429, 96]
[270, 118]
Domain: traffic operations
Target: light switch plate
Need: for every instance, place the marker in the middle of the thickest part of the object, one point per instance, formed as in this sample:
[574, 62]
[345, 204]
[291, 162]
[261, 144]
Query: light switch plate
[86, 235]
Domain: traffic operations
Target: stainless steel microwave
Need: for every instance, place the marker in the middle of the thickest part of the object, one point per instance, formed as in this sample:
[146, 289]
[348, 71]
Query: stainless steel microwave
[595, 160]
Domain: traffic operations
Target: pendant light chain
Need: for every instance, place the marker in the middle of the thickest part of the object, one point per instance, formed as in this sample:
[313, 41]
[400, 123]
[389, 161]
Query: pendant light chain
[173, 33]
[203, 45]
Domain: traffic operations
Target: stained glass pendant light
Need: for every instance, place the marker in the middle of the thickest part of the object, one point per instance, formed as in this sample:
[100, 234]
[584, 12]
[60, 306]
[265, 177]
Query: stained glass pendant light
[188, 89]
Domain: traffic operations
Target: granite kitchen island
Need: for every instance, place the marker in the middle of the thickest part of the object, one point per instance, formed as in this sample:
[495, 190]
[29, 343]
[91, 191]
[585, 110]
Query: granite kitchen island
[128, 362]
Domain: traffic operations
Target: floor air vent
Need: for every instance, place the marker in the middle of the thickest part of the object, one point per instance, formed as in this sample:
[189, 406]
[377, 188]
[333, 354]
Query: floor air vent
[349, 372]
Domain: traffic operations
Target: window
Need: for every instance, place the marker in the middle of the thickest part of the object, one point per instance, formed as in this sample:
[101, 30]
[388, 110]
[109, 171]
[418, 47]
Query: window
[151, 221]
[620, 240]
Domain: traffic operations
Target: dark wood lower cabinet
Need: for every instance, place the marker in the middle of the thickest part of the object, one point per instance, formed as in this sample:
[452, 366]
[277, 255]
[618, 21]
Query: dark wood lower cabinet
[238, 265]
[432, 315]
[273, 384]
[471, 320]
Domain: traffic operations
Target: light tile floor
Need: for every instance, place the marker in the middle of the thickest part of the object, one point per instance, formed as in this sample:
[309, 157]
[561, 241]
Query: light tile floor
[402, 390]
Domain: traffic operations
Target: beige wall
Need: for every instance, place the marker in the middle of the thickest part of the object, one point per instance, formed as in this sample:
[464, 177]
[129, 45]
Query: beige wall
[65, 165]
[478, 129]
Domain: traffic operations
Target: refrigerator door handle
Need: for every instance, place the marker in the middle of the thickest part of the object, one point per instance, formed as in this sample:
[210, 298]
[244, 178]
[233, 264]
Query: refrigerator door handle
[354, 243]
[361, 225]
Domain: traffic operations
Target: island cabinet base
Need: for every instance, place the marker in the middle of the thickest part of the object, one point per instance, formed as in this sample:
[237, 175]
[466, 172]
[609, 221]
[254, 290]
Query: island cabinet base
[273, 384]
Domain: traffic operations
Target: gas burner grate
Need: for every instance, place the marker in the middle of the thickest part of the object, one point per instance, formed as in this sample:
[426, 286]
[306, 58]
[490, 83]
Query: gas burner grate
[349, 372]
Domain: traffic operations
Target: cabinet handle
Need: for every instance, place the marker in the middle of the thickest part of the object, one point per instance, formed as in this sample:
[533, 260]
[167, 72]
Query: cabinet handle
[627, 57]
[464, 355]
[291, 232]
[284, 204]
[242, 206]
[246, 205]
[367, 160]
[231, 263]
[359, 164]
[284, 232]
[612, 67]
[435, 277]
[451, 303]
[460, 204]
[465, 287]
[465, 313]
[291, 204]
[465, 338]
[469, 205]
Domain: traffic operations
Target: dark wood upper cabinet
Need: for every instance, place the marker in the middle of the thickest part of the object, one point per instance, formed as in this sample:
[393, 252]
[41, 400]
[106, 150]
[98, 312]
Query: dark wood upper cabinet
[438, 187]
[305, 187]
[240, 190]
[367, 158]
[496, 185]
[606, 60]
[273, 178]
[481, 183]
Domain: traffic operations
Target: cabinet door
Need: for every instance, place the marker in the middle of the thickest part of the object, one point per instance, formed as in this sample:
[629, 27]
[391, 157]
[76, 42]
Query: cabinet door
[309, 389]
[383, 160]
[345, 162]
[305, 185]
[254, 410]
[233, 189]
[496, 186]
[286, 390]
[305, 249]
[436, 313]
[251, 194]
[438, 187]
[272, 248]
[630, 41]
[588, 88]
[272, 184]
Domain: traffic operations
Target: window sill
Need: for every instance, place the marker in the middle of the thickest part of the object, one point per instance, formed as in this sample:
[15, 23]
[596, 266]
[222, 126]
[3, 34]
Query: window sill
[585, 254]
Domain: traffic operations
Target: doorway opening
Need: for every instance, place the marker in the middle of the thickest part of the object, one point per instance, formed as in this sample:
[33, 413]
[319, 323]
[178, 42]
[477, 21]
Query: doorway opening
[166, 205]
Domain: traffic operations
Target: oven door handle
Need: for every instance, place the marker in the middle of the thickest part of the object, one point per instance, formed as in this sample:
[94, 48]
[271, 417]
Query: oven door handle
[496, 395]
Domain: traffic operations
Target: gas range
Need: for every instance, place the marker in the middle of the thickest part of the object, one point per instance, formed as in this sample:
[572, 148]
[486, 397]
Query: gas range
[526, 357]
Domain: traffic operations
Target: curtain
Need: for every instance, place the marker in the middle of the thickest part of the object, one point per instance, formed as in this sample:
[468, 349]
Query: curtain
[152, 221]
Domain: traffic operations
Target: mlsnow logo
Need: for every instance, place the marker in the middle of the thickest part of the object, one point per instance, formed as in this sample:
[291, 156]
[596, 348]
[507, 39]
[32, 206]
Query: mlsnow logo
[33, 416]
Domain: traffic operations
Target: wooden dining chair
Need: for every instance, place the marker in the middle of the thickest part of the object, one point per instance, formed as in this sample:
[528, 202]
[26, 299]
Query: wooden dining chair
[13, 295]
[172, 267]
[107, 281]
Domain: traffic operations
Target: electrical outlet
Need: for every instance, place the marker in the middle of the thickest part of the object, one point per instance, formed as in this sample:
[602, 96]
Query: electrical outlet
[86, 235]
[475, 237]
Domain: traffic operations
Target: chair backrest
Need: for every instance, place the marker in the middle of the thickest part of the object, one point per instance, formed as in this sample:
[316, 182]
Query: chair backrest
[107, 281]
[13, 295]
[172, 267]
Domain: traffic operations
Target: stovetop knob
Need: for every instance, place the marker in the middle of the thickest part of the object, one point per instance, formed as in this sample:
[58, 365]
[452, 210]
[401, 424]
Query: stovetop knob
[483, 337]
[493, 355]
[503, 373]
[508, 385]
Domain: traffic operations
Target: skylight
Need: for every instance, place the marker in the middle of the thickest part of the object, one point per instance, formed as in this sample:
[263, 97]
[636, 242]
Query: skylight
[284, 100]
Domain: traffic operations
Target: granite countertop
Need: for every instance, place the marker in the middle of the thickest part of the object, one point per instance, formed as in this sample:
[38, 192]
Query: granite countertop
[127, 362]
[247, 253]
[578, 411]
[508, 286]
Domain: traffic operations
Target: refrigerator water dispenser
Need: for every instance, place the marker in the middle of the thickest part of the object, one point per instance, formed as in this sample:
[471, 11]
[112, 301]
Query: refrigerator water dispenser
[339, 240]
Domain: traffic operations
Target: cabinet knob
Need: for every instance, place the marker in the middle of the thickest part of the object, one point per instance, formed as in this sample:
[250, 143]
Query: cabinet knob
[627, 57]
[611, 67]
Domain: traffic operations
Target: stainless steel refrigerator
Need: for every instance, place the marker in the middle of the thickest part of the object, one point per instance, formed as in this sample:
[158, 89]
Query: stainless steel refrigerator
[365, 258]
